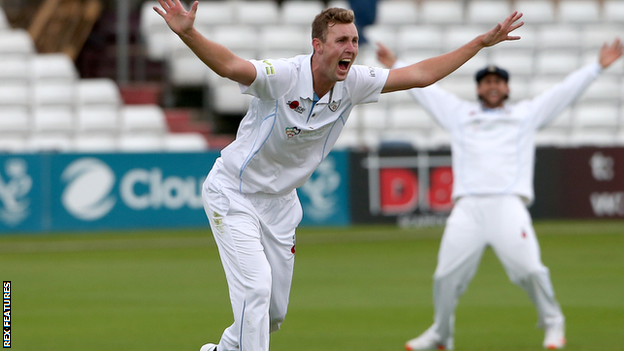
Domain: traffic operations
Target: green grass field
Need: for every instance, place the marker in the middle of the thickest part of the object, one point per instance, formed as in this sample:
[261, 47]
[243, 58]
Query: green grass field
[360, 288]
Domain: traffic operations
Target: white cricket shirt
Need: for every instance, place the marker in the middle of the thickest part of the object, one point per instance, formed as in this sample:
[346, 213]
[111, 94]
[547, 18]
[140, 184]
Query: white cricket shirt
[286, 134]
[493, 150]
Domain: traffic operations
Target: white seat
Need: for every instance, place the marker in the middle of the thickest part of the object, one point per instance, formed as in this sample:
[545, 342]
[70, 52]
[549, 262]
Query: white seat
[408, 118]
[540, 84]
[212, 13]
[98, 91]
[516, 62]
[98, 119]
[94, 143]
[527, 42]
[237, 37]
[49, 143]
[155, 32]
[556, 62]
[290, 37]
[419, 37]
[442, 12]
[14, 69]
[604, 89]
[518, 88]
[186, 69]
[439, 139]
[396, 12]
[593, 37]
[13, 144]
[53, 67]
[185, 142]
[579, 11]
[16, 42]
[384, 34]
[343, 4]
[14, 120]
[257, 12]
[278, 53]
[558, 36]
[15, 94]
[53, 93]
[140, 142]
[596, 115]
[226, 97]
[4, 22]
[487, 11]
[457, 36]
[536, 11]
[613, 11]
[374, 117]
[603, 138]
[58, 120]
[143, 118]
[413, 56]
[300, 12]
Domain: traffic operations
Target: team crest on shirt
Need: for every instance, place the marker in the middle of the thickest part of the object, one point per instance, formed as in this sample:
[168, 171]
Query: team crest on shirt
[292, 131]
[296, 106]
[371, 71]
[333, 106]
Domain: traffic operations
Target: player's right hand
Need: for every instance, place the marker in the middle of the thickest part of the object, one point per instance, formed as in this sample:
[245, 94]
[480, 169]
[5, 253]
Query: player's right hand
[179, 20]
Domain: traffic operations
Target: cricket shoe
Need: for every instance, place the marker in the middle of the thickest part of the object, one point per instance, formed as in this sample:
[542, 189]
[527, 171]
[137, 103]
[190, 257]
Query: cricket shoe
[209, 347]
[428, 340]
[554, 338]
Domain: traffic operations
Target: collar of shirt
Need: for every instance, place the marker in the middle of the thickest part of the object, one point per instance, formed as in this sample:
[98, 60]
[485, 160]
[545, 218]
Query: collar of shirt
[305, 89]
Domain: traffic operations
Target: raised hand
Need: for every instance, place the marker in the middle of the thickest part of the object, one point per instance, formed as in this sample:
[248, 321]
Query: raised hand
[179, 20]
[610, 53]
[501, 31]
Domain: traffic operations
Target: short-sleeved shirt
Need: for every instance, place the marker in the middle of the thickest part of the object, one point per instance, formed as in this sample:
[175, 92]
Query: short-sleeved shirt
[288, 131]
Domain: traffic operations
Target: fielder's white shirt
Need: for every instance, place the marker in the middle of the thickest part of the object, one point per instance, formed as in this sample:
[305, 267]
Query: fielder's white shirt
[493, 150]
[286, 134]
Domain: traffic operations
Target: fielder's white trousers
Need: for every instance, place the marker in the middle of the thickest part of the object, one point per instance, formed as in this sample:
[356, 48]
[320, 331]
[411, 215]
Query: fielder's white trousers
[504, 223]
[255, 235]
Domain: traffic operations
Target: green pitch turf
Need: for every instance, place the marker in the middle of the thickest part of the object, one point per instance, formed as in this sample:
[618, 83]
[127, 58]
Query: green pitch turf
[361, 288]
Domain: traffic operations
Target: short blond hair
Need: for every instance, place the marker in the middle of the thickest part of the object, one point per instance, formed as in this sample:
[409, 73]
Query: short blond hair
[330, 17]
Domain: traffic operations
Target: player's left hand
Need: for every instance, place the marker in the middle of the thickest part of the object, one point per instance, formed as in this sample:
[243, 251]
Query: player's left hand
[610, 53]
[501, 31]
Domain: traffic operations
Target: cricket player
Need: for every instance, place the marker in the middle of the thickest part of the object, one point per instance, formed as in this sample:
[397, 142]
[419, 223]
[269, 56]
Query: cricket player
[493, 158]
[298, 109]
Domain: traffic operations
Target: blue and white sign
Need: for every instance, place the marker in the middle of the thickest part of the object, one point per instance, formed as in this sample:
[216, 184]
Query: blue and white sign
[54, 192]
[325, 196]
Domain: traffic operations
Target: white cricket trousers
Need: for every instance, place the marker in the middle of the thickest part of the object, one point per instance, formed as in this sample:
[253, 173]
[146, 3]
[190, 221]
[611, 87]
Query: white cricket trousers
[255, 235]
[502, 222]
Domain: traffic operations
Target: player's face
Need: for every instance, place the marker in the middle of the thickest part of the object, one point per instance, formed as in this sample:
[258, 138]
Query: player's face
[493, 91]
[339, 50]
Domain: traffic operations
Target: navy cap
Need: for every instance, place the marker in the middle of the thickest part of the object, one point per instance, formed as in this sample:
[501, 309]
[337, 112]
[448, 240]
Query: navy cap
[491, 69]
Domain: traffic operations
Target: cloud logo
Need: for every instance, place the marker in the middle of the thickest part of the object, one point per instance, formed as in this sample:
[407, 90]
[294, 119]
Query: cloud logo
[87, 195]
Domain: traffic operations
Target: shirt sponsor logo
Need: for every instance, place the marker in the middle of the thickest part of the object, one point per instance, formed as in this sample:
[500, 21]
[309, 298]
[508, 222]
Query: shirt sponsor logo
[292, 131]
[371, 71]
[296, 106]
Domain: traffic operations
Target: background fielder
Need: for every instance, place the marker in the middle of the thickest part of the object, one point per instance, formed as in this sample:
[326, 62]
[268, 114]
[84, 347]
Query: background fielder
[299, 108]
[493, 158]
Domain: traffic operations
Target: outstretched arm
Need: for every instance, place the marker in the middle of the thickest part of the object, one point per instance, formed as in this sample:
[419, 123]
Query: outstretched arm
[431, 70]
[216, 56]
[610, 53]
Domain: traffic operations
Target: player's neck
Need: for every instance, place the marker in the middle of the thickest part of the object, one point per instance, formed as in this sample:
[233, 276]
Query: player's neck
[321, 82]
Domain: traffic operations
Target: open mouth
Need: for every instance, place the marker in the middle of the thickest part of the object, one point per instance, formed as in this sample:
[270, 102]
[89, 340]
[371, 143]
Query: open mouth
[344, 64]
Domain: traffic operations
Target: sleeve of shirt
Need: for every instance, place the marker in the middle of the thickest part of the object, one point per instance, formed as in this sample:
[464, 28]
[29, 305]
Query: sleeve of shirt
[442, 105]
[273, 79]
[365, 83]
[549, 104]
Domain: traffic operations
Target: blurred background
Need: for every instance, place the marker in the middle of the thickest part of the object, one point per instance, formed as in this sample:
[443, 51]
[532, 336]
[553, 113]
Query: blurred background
[104, 112]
